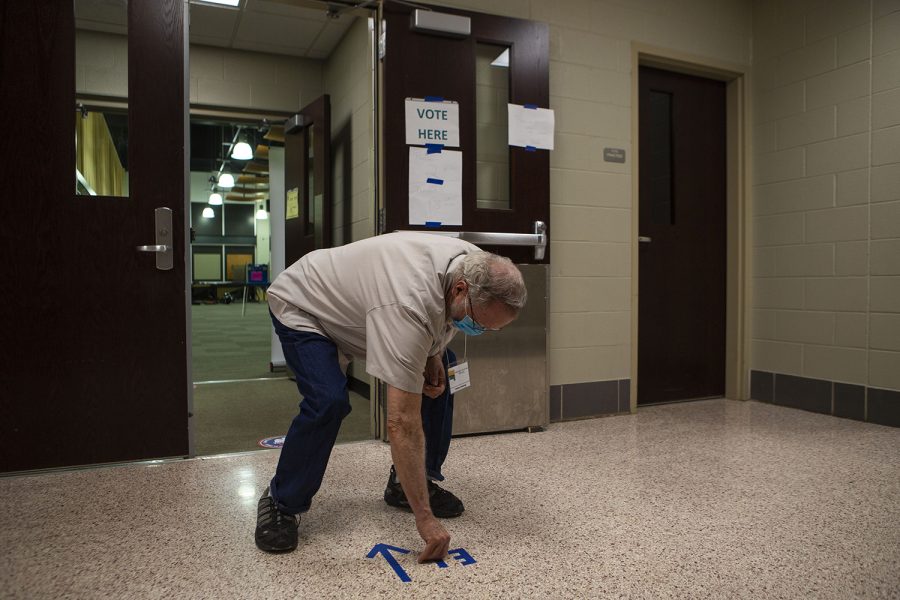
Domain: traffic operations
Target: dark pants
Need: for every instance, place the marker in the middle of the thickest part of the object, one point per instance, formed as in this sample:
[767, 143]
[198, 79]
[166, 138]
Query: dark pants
[314, 360]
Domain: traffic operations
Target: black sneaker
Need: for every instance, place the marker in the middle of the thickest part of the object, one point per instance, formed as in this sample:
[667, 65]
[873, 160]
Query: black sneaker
[444, 504]
[276, 531]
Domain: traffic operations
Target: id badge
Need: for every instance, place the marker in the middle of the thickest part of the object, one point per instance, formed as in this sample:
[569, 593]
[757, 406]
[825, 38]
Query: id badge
[458, 376]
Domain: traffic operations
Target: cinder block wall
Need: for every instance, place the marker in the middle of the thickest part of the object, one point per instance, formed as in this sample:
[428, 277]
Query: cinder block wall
[347, 77]
[219, 76]
[591, 200]
[253, 80]
[826, 95]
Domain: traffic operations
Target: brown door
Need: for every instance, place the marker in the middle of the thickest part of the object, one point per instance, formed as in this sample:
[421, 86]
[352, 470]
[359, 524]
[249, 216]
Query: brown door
[94, 356]
[307, 181]
[681, 326]
[504, 188]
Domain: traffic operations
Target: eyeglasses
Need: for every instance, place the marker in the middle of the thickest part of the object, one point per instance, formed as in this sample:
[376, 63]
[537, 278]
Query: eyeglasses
[472, 308]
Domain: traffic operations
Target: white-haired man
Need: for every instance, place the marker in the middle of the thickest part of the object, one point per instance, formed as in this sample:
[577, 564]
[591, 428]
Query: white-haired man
[396, 301]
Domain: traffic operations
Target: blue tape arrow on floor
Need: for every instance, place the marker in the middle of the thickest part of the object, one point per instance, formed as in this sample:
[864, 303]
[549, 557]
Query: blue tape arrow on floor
[385, 550]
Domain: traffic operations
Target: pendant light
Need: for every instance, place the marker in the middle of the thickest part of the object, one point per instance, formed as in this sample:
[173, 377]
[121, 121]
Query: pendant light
[226, 181]
[215, 199]
[208, 213]
[242, 151]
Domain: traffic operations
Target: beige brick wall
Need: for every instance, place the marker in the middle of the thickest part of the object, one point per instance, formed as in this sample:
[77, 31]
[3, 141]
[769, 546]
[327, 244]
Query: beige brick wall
[347, 78]
[826, 113]
[591, 202]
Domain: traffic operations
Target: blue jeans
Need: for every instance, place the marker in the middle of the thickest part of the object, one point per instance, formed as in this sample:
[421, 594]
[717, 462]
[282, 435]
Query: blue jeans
[307, 447]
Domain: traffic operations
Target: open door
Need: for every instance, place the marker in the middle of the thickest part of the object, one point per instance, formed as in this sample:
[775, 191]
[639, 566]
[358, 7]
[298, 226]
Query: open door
[94, 359]
[307, 180]
[484, 64]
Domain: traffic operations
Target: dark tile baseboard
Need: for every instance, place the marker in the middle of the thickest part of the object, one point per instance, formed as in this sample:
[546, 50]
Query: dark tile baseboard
[594, 399]
[845, 400]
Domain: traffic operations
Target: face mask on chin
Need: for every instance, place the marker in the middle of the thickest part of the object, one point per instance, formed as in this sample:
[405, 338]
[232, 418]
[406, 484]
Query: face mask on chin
[467, 324]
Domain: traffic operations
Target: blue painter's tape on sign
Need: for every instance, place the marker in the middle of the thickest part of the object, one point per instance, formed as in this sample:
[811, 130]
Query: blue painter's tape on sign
[434, 148]
[434, 181]
[530, 148]
[272, 442]
[433, 99]
[531, 106]
[432, 224]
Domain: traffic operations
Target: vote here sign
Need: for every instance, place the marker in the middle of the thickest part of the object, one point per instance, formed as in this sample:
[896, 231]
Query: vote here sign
[432, 123]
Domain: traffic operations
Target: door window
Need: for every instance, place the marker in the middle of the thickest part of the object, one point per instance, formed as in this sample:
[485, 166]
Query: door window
[101, 70]
[656, 189]
[492, 147]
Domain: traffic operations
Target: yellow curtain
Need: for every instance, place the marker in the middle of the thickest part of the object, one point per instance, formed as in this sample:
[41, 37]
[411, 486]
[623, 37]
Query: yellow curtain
[96, 155]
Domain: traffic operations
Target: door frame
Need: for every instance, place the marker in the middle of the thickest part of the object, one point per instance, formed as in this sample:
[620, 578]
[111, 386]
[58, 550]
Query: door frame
[738, 210]
[220, 114]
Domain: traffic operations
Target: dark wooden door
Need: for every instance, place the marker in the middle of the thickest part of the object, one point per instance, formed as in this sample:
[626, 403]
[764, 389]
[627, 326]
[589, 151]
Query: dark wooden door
[420, 64]
[681, 314]
[93, 360]
[307, 173]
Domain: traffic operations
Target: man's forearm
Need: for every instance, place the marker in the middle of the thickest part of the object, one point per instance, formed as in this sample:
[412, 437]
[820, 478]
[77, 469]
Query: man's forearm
[408, 447]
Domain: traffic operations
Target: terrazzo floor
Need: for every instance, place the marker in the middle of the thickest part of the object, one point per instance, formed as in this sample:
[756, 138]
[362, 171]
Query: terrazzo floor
[712, 499]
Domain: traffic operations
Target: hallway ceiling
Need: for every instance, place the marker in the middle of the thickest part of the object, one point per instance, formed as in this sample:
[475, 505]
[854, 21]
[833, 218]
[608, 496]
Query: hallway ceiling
[272, 26]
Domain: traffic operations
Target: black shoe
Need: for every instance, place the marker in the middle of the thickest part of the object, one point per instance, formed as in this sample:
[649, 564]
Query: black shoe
[444, 505]
[276, 531]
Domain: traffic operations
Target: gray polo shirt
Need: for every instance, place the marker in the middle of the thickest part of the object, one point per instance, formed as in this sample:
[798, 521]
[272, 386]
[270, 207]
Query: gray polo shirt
[381, 299]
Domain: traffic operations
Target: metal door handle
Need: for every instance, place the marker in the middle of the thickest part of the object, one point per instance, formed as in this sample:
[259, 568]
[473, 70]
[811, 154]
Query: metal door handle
[163, 246]
[644, 239]
[538, 239]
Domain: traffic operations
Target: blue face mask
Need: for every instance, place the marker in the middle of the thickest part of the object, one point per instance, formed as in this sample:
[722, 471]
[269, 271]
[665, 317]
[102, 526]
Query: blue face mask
[467, 324]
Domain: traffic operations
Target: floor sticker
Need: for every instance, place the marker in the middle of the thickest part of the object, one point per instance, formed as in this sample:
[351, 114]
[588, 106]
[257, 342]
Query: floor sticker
[459, 554]
[272, 442]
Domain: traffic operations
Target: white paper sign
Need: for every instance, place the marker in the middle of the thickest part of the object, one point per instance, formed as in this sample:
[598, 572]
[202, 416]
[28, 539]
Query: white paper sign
[432, 123]
[458, 377]
[530, 127]
[435, 187]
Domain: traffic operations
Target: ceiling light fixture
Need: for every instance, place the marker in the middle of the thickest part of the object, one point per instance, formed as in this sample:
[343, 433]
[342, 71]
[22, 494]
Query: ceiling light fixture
[215, 199]
[242, 151]
[208, 213]
[226, 180]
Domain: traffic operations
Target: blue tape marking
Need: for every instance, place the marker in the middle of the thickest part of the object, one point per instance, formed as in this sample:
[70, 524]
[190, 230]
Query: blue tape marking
[531, 106]
[432, 224]
[434, 148]
[530, 148]
[462, 556]
[433, 99]
[441, 564]
[434, 181]
[385, 550]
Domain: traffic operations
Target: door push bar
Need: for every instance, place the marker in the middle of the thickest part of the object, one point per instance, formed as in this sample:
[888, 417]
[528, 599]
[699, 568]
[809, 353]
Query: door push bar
[538, 239]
